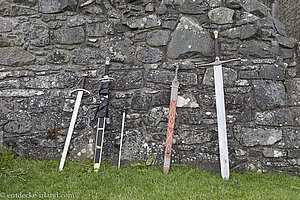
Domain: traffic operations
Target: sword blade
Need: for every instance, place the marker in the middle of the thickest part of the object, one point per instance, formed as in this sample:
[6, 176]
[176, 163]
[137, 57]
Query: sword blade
[122, 133]
[71, 128]
[221, 117]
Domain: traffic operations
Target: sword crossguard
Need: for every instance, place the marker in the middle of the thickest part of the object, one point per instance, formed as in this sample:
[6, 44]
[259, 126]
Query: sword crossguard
[217, 62]
[80, 89]
[106, 79]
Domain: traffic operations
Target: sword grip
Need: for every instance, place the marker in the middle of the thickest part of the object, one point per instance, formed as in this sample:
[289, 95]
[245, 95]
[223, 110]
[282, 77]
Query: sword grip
[83, 81]
[125, 102]
[217, 52]
[106, 66]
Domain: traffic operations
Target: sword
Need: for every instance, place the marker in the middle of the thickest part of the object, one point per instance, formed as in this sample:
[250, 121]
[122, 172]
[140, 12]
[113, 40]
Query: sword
[102, 113]
[171, 122]
[220, 104]
[73, 120]
[122, 132]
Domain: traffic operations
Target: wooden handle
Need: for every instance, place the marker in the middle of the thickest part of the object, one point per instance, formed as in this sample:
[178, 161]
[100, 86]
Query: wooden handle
[217, 53]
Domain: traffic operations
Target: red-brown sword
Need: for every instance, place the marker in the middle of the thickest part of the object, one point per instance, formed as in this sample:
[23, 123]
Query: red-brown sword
[171, 122]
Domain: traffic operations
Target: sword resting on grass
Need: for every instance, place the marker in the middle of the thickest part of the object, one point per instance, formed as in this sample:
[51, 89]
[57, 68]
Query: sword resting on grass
[73, 120]
[102, 114]
[122, 132]
[221, 116]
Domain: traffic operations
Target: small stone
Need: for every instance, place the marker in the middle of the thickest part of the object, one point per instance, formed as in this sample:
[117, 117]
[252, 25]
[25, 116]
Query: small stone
[187, 101]
[282, 117]
[190, 40]
[5, 25]
[149, 55]
[70, 36]
[94, 30]
[149, 7]
[293, 91]
[221, 15]
[55, 6]
[14, 56]
[158, 38]
[76, 21]
[285, 41]
[149, 21]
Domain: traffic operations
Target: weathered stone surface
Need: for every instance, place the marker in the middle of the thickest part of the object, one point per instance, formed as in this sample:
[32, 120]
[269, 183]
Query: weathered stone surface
[282, 117]
[269, 95]
[187, 101]
[141, 101]
[20, 93]
[272, 72]
[189, 40]
[243, 32]
[62, 80]
[161, 98]
[159, 76]
[257, 49]
[195, 136]
[5, 25]
[76, 21]
[246, 18]
[158, 38]
[22, 11]
[149, 21]
[213, 3]
[255, 7]
[248, 74]
[250, 137]
[14, 56]
[84, 56]
[280, 27]
[39, 35]
[55, 6]
[19, 127]
[221, 15]
[293, 91]
[58, 57]
[149, 55]
[70, 36]
[190, 117]
[30, 3]
[285, 41]
[128, 80]
[94, 30]
[229, 76]
[155, 116]
[119, 49]
[193, 8]
[273, 153]
[236, 4]
[291, 137]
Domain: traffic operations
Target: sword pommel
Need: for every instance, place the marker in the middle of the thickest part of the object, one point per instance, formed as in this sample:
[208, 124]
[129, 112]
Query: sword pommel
[107, 60]
[216, 32]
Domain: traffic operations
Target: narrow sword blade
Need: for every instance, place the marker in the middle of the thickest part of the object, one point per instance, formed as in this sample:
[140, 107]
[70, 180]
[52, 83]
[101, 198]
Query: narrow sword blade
[121, 140]
[71, 128]
[221, 117]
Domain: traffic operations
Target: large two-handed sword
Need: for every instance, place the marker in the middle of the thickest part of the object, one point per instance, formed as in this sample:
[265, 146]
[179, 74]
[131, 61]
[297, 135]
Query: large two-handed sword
[73, 120]
[102, 115]
[171, 121]
[220, 104]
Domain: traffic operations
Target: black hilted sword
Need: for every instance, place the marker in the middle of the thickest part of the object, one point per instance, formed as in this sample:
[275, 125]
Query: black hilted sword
[102, 115]
[73, 120]
[220, 104]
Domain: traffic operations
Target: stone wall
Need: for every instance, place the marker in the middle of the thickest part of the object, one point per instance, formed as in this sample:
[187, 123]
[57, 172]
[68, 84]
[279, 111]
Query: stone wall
[45, 47]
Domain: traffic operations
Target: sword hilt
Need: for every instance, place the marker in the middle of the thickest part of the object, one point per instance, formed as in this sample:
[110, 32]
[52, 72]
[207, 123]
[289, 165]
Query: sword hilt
[81, 85]
[217, 52]
[217, 62]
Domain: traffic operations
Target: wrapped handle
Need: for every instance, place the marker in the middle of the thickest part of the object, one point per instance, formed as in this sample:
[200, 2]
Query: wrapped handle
[217, 52]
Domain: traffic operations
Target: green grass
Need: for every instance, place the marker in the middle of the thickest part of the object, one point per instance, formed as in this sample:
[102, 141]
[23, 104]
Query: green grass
[23, 176]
